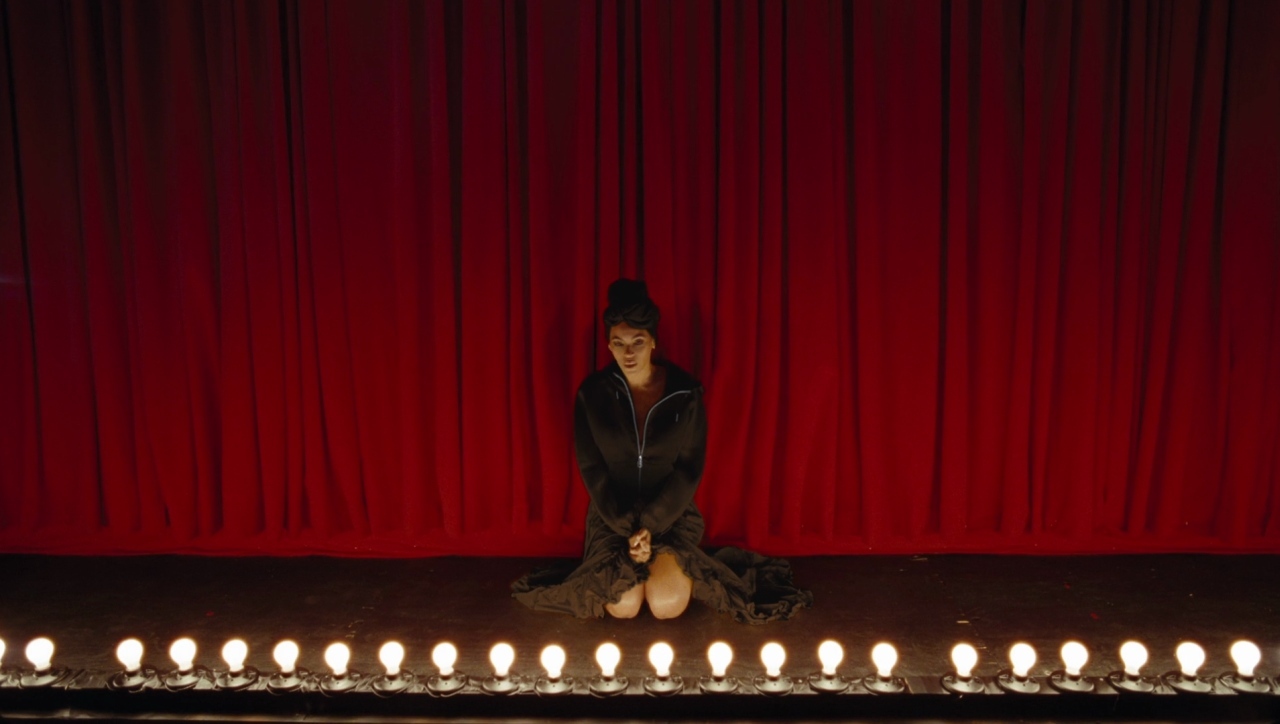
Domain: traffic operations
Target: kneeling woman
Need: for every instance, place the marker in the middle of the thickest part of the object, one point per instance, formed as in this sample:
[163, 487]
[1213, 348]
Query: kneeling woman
[640, 432]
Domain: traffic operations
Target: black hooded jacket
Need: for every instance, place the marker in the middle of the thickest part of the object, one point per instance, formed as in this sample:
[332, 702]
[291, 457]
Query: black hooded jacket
[646, 477]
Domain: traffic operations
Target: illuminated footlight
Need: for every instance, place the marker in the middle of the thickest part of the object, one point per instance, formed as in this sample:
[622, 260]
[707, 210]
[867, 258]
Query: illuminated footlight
[40, 654]
[885, 657]
[962, 681]
[185, 676]
[1018, 680]
[447, 681]
[1186, 681]
[829, 680]
[662, 683]
[608, 683]
[394, 679]
[1134, 656]
[133, 677]
[719, 655]
[554, 683]
[1246, 656]
[339, 679]
[773, 683]
[289, 677]
[237, 676]
[1071, 679]
[502, 656]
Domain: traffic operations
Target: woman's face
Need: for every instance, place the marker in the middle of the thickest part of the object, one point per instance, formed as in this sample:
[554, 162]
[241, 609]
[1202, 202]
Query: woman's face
[631, 347]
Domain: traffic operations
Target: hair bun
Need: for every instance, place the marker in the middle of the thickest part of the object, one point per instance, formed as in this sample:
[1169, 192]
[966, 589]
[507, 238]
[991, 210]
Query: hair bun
[628, 293]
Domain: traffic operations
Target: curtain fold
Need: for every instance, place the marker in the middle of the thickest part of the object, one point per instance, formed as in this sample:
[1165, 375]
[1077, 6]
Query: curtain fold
[322, 277]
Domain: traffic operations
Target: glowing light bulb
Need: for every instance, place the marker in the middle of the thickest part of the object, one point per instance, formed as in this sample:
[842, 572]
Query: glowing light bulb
[40, 654]
[720, 655]
[502, 656]
[964, 657]
[661, 656]
[444, 656]
[183, 653]
[830, 653]
[129, 652]
[553, 658]
[1190, 658]
[1023, 657]
[1134, 656]
[391, 655]
[608, 656]
[286, 656]
[336, 657]
[1074, 657]
[1246, 656]
[1, 651]
[885, 657]
[234, 652]
[773, 656]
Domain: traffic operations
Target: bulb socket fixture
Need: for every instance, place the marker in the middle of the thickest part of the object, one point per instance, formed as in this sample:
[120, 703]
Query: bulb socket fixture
[1184, 684]
[606, 686]
[501, 685]
[877, 684]
[963, 685]
[668, 685]
[237, 681]
[1014, 684]
[280, 682]
[1067, 684]
[340, 683]
[718, 684]
[780, 685]
[389, 684]
[137, 680]
[1126, 683]
[1246, 684]
[828, 683]
[438, 685]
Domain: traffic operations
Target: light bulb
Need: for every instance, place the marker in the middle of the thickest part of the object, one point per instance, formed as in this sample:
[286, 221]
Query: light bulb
[964, 657]
[1023, 657]
[502, 656]
[1134, 656]
[129, 652]
[608, 656]
[1190, 658]
[661, 656]
[40, 654]
[391, 655]
[336, 657]
[286, 656]
[553, 659]
[884, 656]
[720, 655]
[1, 652]
[183, 653]
[234, 652]
[773, 656]
[444, 656]
[1074, 657]
[830, 653]
[1246, 656]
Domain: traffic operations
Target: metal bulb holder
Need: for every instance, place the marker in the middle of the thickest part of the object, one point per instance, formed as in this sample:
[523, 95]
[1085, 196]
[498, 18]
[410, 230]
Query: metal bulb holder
[606, 686]
[501, 685]
[877, 684]
[388, 684]
[1245, 684]
[133, 680]
[238, 680]
[280, 682]
[780, 685]
[52, 676]
[1068, 684]
[668, 685]
[718, 684]
[1184, 684]
[439, 685]
[177, 680]
[1014, 684]
[1130, 683]
[339, 683]
[963, 685]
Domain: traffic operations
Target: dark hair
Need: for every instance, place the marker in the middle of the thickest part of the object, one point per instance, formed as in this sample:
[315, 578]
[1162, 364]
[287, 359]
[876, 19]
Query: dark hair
[629, 302]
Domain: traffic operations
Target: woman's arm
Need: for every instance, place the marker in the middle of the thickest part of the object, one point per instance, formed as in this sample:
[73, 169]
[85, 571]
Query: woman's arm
[678, 489]
[595, 473]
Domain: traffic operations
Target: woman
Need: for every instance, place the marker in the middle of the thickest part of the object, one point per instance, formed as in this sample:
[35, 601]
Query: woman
[640, 432]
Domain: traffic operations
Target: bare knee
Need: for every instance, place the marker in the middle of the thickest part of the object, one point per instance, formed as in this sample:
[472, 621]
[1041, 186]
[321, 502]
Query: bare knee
[668, 589]
[629, 605]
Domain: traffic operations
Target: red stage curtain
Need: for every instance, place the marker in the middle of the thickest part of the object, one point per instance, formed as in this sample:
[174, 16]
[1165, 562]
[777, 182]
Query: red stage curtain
[323, 277]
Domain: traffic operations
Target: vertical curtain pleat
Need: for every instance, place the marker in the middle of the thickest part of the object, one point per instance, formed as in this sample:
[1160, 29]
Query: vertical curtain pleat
[292, 277]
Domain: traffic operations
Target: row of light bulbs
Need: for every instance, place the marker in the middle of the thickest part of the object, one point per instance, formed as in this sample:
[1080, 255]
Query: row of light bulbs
[1191, 657]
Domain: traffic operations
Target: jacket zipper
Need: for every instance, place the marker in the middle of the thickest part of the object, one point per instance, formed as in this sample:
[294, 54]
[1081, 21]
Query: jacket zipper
[640, 441]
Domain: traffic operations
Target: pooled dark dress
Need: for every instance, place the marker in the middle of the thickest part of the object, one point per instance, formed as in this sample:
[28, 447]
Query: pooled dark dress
[645, 477]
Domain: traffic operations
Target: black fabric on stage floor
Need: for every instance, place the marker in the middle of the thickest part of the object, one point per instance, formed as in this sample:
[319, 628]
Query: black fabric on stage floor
[924, 605]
